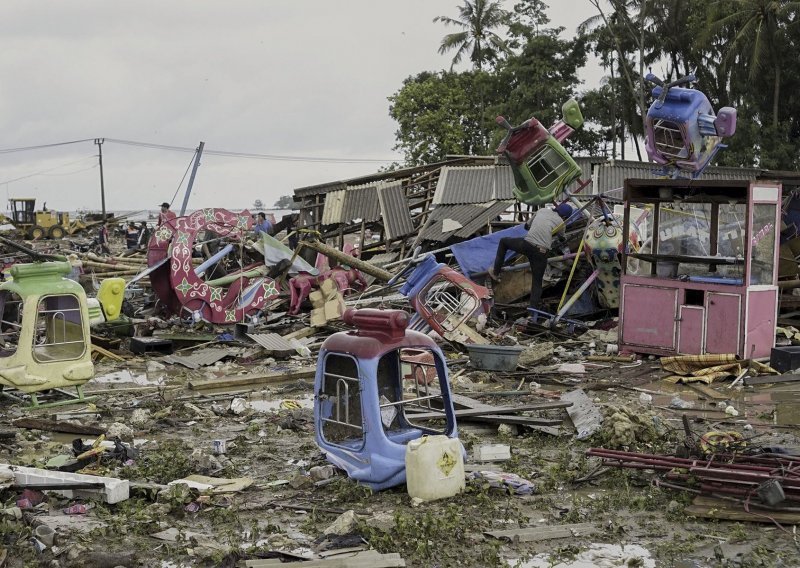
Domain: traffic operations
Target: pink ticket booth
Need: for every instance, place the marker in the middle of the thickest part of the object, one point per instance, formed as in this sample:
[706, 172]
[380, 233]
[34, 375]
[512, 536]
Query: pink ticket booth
[703, 276]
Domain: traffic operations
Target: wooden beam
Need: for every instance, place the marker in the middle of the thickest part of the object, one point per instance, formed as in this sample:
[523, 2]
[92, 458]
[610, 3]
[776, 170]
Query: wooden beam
[275, 377]
[106, 353]
[768, 379]
[57, 426]
[539, 533]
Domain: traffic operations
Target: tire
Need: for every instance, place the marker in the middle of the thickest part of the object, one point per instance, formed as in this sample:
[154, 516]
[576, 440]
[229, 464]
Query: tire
[57, 232]
[37, 232]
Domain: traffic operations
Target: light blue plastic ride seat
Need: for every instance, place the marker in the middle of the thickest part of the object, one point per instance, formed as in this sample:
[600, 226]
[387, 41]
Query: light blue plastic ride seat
[370, 385]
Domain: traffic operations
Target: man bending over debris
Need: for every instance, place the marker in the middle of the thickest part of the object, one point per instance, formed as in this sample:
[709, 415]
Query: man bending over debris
[534, 247]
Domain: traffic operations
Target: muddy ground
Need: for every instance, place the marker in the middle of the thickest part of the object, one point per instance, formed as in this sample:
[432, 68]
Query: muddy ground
[284, 513]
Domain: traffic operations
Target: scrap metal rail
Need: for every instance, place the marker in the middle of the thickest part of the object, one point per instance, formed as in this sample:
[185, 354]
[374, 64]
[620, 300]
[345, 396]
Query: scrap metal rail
[744, 477]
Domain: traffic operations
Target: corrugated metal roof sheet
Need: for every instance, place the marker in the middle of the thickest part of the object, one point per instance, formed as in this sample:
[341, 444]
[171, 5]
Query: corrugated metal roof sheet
[383, 258]
[273, 343]
[332, 212]
[361, 202]
[466, 218]
[464, 185]
[611, 175]
[394, 210]
[586, 165]
[380, 260]
[324, 188]
[482, 219]
[504, 183]
[473, 184]
[199, 358]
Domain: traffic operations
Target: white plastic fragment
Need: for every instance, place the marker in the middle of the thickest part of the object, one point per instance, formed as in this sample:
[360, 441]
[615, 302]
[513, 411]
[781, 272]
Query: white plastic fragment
[492, 452]
[114, 490]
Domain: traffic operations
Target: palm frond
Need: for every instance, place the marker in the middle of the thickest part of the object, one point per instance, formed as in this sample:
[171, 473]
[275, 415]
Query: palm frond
[447, 21]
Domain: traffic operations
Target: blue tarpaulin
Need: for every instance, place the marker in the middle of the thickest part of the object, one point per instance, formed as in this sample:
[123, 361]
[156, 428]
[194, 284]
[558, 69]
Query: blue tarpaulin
[477, 255]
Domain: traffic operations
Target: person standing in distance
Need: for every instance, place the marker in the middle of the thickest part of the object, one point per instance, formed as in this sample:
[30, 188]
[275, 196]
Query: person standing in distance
[165, 215]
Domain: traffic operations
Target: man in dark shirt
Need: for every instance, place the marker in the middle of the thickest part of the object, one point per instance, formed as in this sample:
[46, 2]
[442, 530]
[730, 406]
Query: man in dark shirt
[534, 246]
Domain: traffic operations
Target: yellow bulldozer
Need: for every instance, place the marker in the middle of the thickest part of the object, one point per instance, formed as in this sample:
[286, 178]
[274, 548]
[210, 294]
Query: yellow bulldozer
[44, 223]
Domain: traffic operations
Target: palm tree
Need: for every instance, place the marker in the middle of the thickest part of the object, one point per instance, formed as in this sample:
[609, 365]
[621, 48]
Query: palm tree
[477, 20]
[760, 39]
[624, 31]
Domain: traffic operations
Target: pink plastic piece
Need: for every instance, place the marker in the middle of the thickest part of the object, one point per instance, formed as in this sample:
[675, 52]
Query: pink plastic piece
[77, 509]
[377, 323]
[561, 130]
[299, 289]
[346, 279]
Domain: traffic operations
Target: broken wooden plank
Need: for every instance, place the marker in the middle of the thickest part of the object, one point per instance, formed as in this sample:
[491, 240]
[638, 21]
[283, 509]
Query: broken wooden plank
[462, 401]
[540, 533]
[275, 377]
[697, 412]
[519, 420]
[495, 410]
[365, 559]
[584, 413]
[58, 426]
[767, 379]
[612, 358]
[300, 333]
[106, 353]
[707, 391]
[712, 508]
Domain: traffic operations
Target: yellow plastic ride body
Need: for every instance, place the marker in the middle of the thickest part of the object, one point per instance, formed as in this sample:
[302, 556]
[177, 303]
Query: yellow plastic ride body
[54, 345]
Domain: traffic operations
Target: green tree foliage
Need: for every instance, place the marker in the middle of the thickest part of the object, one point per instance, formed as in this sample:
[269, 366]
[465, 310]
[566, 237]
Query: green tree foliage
[478, 20]
[538, 80]
[437, 115]
[759, 62]
[743, 53]
[442, 114]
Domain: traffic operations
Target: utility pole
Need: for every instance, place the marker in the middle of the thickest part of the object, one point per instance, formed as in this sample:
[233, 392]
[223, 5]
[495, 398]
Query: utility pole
[99, 142]
[191, 178]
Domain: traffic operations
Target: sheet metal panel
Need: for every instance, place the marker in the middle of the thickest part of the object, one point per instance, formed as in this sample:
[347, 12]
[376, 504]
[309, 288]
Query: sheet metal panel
[272, 342]
[394, 210]
[361, 202]
[610, 176]
[332, 212]
[470, 217]
[503, 183]
[199, 358]
[483, 218]
[473, 184]
[464, 185]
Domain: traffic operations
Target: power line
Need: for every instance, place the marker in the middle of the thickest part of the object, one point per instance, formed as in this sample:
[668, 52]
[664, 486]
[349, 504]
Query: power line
[44, 172]
[250, 155]
[224, 153]
[93, 166]
[42, 146]
[150, 145]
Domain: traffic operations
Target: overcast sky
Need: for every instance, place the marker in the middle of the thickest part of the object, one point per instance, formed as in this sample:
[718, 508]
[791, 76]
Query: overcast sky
[296, 78]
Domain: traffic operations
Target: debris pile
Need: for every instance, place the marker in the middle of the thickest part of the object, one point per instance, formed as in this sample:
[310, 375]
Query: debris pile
[224, 396]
